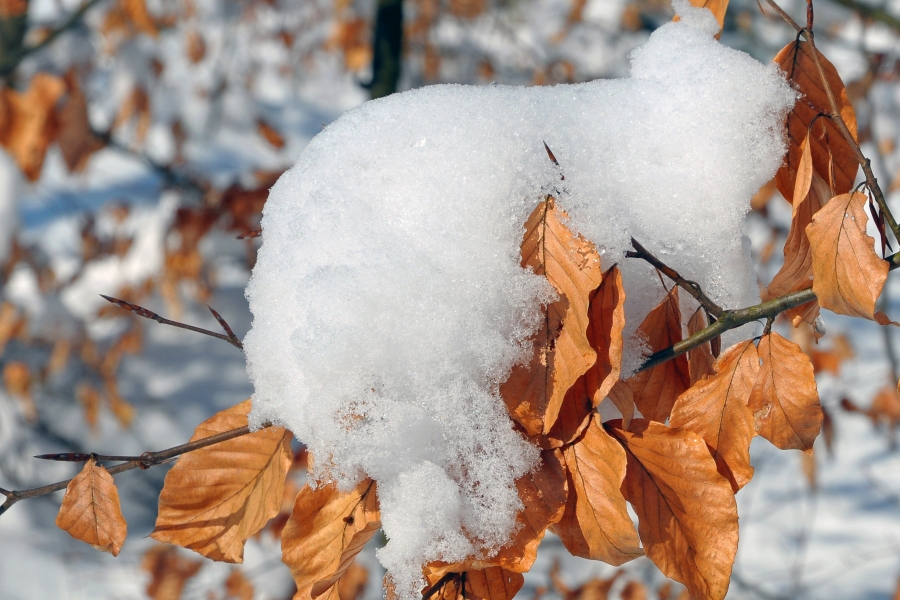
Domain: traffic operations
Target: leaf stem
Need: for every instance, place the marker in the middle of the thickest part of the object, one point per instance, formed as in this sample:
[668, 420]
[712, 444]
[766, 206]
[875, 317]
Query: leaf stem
[144, 461]
[691, 287]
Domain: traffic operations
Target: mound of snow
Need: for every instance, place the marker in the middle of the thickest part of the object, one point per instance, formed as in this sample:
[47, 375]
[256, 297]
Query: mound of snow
[388, 299]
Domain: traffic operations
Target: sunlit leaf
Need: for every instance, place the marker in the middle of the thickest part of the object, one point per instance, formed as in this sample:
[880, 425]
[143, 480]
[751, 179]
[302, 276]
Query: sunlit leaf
[90, 510]
[700, 359]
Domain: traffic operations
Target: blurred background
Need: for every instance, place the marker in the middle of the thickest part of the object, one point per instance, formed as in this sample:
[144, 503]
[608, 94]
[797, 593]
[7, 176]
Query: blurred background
[138, 140]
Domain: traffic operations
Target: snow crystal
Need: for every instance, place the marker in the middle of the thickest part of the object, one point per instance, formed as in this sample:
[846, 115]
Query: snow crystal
[388, 299]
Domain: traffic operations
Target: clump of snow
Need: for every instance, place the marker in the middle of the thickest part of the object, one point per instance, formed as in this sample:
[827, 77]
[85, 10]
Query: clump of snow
[388, 299]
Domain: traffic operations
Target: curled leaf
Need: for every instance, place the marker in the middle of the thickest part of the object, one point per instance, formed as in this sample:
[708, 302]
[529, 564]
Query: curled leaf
[215, 498]
[847, 273]
[90, 510]
[325, 532]
[596, 523]
[491, 583]
[700, 359]
[716, 409]
[784, 400]
[686, 510]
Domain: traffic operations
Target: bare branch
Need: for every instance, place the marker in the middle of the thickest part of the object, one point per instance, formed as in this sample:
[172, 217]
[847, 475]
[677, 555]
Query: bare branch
[149, 314]
[144, 461]
[691, 287]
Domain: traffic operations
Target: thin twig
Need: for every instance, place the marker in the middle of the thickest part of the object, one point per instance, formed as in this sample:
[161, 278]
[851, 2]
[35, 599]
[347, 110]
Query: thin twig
[835, 115]
[149, 314]
[144, 461]
[10, 65]
[691, 287]
[732, 319]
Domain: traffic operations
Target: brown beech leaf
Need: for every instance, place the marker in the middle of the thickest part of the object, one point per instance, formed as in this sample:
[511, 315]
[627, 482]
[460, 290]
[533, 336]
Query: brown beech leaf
[830, 152]
[352, 585]
[606, 314]
[214, 498]
[30, 125]
[622, 396]
[534, 392]
[847, 273]
[268, 133]
[90, 510]
[797, 271]
[595, 523]
[700, 359]
[785, 401]
[169, 572]
[687, 515]
[716, 409]
[76, 139]
[325, 532]
[656, 389]
[491, 583]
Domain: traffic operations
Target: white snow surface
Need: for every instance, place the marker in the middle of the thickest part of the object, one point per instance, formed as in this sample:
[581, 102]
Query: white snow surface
[388, 299]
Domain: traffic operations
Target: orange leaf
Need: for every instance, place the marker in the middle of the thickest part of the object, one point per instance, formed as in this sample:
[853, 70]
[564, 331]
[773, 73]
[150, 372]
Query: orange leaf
[622, 396]
[30, 122]
[352, 585]
[606, 314]
[595, 523]
[700, 359]
[534, 392]
[90, 510]
[656, 389]
[76, 139]
[326, 531]
[168, 572]
[785, 401]
[716, 7]
[797, 271]
[491, 583]
[716, 409]
[269, 134]
[686, 510]
[830, 152]
[214, 498]
[847, 274]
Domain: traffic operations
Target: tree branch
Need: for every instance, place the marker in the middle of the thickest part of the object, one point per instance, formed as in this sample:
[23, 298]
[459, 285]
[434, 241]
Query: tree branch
[691, 287]
[140, 311]
[835, 115]
[10, 64]
[144, 461]
[732, 319]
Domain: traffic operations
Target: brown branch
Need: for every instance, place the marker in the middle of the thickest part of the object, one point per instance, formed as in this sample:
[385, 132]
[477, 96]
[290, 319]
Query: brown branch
[144, 461]
[835, 115]
[140, 311]
[732, 319]
[691, 287]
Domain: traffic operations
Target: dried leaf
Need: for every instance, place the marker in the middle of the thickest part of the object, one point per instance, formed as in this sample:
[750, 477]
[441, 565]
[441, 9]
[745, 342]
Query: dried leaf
[491, 583]
[352, 585]
[830, 152]
[797, 272]
[656, 389]
[622, 396]
[716, 409]
[784, 400]
[534, 393]
[136, 11]
[195, 46]
[326, 531]
[700, 359]
[215, 498]
[90, 510]
[238, 587]
[606, 314]
[168, 572]
[687, 515]
[847, 274]
[634, 590]
[30, 124]
[595, 523]
[269, 134]
[76, 138]
[17, 380]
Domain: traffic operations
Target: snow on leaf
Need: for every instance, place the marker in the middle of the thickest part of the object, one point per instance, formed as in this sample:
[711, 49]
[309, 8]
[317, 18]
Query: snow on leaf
[686, 510]
[595, 523]
[534, 392]
[90, 510]
[215, 498]
[784, 401]
[847, 273]
[656, 389]
[606, 314]
[325, 532]
[716, 409]
[830, 152]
